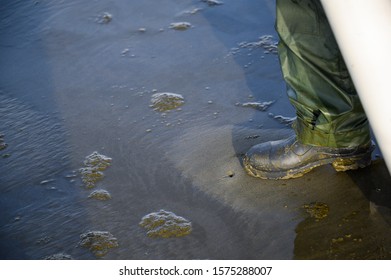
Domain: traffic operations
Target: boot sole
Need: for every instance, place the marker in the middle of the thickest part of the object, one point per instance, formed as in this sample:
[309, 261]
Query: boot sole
[340, 164]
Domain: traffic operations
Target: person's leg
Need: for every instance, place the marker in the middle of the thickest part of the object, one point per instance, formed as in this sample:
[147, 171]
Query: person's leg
[331, 125]
[329, 112]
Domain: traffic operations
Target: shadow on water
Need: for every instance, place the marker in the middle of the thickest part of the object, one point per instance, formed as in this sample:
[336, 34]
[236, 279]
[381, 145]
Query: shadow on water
[357, 225]
[375, 184]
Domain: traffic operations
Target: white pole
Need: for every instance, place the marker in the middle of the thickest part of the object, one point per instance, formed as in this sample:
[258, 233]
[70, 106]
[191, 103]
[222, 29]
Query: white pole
[363, 31]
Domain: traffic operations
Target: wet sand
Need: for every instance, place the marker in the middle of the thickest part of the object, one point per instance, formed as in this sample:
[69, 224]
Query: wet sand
[79, 76]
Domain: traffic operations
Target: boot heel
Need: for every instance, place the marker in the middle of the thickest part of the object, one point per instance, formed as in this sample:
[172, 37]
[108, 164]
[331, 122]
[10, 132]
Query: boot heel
[352, 163]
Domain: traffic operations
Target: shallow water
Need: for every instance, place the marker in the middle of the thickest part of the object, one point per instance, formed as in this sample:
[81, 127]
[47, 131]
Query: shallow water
[75, 80]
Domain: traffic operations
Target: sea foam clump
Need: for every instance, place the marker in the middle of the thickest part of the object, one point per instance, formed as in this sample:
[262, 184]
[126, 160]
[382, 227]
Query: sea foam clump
[94, 164]
[100, 195]
[261, 106]
[166, 101]
[165, 224]
[317, 210]
[99, 242]
[180, 25]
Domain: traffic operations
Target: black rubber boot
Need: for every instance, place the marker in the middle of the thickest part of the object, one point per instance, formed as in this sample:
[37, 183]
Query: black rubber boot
[288, 158]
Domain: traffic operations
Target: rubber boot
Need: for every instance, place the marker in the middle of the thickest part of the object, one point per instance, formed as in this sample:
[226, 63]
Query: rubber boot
[288, 158]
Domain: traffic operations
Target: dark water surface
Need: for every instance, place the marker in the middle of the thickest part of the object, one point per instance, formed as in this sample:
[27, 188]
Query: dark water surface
[78, 77]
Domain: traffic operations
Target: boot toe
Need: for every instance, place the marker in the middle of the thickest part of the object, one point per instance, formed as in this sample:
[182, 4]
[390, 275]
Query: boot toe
[258, 158]
[276, 160]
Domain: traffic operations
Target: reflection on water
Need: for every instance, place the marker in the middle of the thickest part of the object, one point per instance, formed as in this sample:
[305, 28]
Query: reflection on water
[77, 78]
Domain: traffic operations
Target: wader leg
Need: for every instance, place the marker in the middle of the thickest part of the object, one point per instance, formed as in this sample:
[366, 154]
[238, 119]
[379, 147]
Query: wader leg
[329, 112]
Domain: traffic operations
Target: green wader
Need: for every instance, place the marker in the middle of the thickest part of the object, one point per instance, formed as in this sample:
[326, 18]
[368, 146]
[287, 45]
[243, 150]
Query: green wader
[329, 112]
